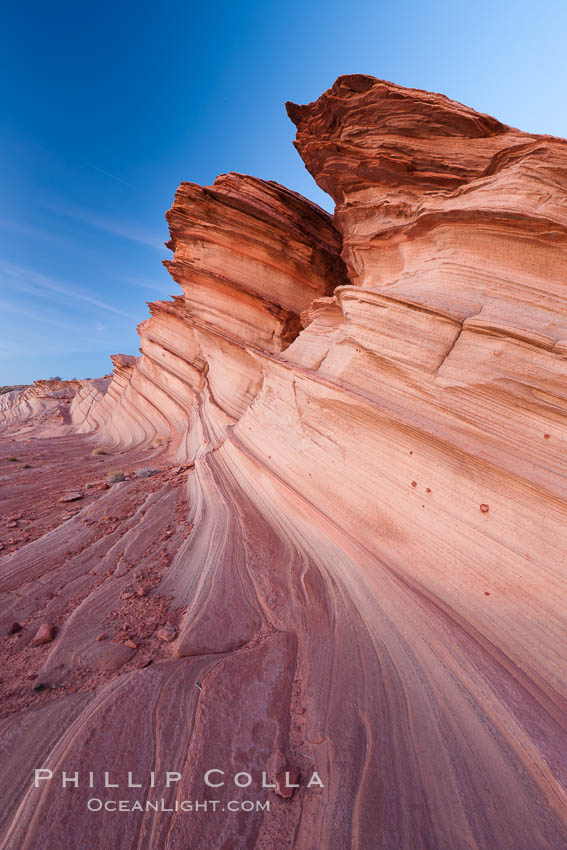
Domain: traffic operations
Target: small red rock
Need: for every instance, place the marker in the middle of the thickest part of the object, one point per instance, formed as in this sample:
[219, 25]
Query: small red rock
[167, 633]
[127, 594]
[14, 629]
[71, 497]
[484, 509]
[428, 489]
[546, 436]
[43, 635]
[12, 524]
[130, 644]
[101, 636]
[414, 483]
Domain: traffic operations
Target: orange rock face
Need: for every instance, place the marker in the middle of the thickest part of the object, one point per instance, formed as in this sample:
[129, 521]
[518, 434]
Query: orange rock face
[335, 555]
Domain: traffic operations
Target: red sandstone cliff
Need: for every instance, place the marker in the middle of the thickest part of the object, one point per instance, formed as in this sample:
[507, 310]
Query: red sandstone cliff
[355, 529]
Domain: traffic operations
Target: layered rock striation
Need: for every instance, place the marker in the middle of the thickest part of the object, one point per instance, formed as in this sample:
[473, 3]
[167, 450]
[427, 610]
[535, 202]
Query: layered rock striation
[250, 257]
[38, 406]
[354, 536]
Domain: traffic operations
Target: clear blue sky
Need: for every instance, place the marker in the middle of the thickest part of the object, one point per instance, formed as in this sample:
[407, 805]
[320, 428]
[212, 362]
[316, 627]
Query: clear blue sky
[106, 107]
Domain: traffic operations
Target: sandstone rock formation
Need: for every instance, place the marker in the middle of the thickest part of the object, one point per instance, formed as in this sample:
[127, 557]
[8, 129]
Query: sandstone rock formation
[34, 405]
[250, 257]
[354, 540]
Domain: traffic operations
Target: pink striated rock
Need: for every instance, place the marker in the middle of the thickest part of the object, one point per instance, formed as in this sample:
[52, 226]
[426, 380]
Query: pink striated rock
[312, 369]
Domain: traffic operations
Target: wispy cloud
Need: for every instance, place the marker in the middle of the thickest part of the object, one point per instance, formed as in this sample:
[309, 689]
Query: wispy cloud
[20, 275]
[29, 230]
[112, 176]
[123, 230]
[35, 316]
[157, 286]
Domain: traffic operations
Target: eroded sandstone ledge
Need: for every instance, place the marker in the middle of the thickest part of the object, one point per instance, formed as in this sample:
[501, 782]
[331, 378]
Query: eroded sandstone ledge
[356, 524]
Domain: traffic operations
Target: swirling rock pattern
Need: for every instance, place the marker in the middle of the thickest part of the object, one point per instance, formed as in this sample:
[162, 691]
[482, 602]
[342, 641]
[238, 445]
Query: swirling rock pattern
[38, 406]
[354, 525]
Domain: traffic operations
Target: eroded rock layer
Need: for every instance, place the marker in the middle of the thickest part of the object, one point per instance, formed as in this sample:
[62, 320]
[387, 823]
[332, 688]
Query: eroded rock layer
[250, 257]
[38, 405]
[336, 538]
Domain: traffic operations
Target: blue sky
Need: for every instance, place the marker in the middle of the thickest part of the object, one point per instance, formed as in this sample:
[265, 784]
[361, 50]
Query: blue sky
[106, 107]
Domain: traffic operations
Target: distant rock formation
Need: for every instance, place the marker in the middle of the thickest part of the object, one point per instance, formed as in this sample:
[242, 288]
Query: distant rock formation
[354, 538]
[38, 406]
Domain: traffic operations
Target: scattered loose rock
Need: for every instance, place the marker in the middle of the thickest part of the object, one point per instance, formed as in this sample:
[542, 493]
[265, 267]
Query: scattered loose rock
[44, 634]
[484, 509]
[71, 497]
[184, 468]
[167, 633]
